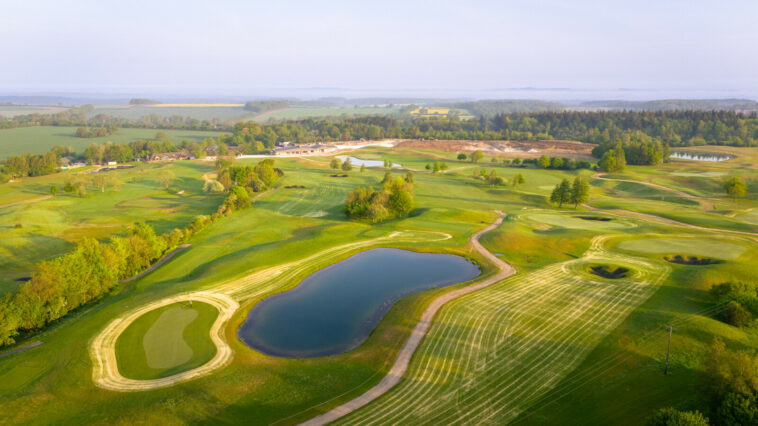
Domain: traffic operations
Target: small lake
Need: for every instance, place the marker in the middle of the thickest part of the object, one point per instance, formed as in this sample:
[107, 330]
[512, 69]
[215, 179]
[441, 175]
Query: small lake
[335, 309]
[699, 157]
[368, 163]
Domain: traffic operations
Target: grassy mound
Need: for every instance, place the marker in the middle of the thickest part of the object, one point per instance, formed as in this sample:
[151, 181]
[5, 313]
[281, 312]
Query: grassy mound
[610, 272]
[167, 341]
[685, 246]
[691, 260]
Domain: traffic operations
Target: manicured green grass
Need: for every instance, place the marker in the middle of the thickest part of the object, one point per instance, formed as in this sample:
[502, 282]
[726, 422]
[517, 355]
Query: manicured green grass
[167, 341]
[40, 139]
[692, 246]
[50, 227]
[535, 345]
[574, 222]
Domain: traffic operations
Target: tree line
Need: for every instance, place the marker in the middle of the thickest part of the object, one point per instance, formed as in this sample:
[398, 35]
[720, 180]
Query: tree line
[94, 268]
[95, 132]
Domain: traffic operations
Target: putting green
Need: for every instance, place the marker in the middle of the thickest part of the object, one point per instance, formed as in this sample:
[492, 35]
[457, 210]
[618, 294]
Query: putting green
[164, 342]
[571, 222]
[167, 341]
[688, 246]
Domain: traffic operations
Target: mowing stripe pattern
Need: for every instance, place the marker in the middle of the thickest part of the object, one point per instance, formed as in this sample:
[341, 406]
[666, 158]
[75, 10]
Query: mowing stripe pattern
[491, 354]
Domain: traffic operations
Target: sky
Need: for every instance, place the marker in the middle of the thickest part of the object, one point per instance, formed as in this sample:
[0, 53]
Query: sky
[472, 46]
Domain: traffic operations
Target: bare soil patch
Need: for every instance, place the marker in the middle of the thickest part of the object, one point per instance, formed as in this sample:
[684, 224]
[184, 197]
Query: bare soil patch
[520, 149]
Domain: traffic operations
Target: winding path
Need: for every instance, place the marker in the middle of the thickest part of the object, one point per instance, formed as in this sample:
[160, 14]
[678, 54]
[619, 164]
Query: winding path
[419, 331]
[225, 297]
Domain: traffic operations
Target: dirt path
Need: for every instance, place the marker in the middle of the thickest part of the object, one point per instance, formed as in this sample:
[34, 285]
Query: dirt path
[705, 204]
[419, 331]
[31, 200]
[224, 296]
[157, 264]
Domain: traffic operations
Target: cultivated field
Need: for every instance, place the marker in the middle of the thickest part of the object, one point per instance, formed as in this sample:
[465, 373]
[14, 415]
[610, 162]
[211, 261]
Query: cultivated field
[40, 139]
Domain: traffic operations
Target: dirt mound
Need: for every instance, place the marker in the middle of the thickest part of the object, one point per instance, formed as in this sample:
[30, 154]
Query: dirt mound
[521, 149]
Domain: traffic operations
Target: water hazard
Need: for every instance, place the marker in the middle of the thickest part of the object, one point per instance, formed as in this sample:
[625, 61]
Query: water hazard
[335, 309]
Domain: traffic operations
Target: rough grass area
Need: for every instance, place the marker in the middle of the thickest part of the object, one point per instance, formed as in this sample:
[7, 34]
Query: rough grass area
[691, 246]
[166, 341]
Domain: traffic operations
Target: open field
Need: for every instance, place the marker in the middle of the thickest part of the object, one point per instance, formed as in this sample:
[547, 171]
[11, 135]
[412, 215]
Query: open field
[40, 139]
[296, 113]
[549, 344]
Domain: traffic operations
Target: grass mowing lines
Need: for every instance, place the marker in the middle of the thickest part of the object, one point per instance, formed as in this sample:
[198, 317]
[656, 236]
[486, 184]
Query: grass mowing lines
[492, 352]
[687, 246]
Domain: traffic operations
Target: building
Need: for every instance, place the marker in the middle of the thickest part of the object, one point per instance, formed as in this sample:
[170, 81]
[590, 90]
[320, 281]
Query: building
[304, 150]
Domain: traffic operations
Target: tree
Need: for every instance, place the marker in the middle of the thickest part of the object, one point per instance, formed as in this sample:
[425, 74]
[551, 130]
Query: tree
[212, 185]
[409, 177]
[336, 163]
[672, 417]
[580, 191]
[363, 168]
[461, 156]
[516, 161]
[544, 162]
[518, 179]
[165, 178]
[387, 178]
[476, 156]
[347, 165]
[735, 187]
[608, 163]
[556, 162]
[562, 193]
[54, 189]
[437, 167]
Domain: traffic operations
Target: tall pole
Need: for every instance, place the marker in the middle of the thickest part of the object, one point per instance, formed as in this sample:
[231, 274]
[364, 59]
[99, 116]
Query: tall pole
[668, 351]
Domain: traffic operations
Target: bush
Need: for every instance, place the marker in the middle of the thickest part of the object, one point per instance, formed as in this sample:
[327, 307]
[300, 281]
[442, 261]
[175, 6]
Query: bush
[672, 417]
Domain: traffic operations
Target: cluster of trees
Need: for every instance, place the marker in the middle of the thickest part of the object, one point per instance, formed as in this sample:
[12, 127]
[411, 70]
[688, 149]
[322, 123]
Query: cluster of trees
[568, 193]
[94, 132]
[740, 299]
[90, 271]
[730, 390]
[558, 163]
[436, 167]
[346, 165]
[393, 200]
[491, 178]
[637, 149]
[732, 387]
[30, 165]
[93, 269]
[258, 178]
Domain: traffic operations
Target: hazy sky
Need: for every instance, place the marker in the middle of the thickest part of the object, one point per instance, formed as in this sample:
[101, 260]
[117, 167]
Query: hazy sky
[202, 46]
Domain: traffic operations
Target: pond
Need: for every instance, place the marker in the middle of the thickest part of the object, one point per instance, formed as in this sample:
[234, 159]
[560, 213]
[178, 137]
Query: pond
[699, 157]
[335, 309]
[368, 163]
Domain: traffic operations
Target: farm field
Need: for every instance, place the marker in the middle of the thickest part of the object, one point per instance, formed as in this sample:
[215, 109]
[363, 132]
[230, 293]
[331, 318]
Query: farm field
[550, 344]
[40, 139]
[297, 113]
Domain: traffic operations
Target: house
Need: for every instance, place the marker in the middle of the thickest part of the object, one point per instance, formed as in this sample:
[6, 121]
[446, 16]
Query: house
[112, 163]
